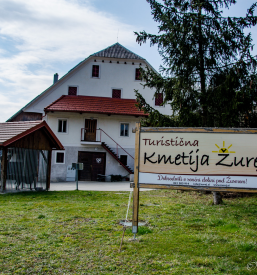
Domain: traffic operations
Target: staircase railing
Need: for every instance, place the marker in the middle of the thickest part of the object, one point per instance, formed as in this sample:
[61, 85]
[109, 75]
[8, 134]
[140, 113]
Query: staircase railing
[117, 144]
[99, 139]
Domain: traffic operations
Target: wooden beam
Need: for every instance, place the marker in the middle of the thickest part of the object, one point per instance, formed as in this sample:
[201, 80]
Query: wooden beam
[49, 162]
[199, 130]
[3, 168]
[136, 186]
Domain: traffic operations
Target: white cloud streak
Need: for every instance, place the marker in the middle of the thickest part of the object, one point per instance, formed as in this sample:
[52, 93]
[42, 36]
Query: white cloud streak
[40, 34]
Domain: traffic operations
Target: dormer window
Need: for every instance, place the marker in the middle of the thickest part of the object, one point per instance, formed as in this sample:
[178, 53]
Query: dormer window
[138, 74]
[95, 71]
[116, 93]
[72, 91]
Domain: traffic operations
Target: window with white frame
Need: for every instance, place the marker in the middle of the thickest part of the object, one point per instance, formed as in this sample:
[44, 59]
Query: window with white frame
[62, 125]
[124, 129]
[59, 157]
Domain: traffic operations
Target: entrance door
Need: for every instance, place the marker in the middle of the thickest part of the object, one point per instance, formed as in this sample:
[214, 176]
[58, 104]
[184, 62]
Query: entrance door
[90, 127]
[94, 164]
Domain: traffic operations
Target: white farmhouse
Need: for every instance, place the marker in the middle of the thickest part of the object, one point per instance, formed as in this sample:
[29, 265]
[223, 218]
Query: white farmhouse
[92, 111]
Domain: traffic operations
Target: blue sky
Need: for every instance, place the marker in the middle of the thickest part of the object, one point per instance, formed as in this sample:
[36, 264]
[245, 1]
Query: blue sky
[41, 37]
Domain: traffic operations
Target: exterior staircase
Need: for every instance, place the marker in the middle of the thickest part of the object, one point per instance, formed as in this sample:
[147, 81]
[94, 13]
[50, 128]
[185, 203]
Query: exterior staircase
[110, 151]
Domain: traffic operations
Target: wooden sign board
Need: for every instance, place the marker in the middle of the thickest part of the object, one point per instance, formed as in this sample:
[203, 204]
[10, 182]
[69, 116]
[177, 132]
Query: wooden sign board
[195, 159]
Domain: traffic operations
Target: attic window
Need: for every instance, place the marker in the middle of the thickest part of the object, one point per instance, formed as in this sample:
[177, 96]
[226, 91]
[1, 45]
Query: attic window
[158, 99]
[138, 74]
[72, 91]
[95, 71]
[116, 93]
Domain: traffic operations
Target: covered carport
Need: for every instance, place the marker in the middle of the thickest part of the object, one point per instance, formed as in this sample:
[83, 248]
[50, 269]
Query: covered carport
[26, 150]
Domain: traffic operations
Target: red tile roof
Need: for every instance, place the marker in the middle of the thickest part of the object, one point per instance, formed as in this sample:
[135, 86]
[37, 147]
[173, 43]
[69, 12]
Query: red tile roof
[93, 104]
[13, 131]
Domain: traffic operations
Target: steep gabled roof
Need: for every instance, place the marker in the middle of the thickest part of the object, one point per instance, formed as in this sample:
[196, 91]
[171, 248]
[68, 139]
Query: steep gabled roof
[92, 104]
[114, 51]
[117, 51]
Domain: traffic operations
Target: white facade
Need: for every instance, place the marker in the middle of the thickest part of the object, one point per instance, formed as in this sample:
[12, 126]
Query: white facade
[112, 76]
[114, 73]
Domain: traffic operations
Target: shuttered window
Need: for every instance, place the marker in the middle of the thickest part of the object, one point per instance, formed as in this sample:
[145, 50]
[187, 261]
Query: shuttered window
[138, 74]
[95, 71]
[158, 99]
[72, 91]
[116, 93]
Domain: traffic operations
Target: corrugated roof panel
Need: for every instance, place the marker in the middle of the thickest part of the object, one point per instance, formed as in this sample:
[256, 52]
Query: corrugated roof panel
[13, 131]
[9, 130]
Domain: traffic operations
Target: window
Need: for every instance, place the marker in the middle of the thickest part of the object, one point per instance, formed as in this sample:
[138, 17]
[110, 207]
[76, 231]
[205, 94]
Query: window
[62, 125]
[59, 157]
[124, 159]
[72, 91]
[138, 74]
[95, 71]
[158, 99]
[116, 93]
[124, 129]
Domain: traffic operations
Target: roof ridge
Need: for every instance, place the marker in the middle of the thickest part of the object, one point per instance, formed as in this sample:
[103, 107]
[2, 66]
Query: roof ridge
[104, 49]
[117, 54]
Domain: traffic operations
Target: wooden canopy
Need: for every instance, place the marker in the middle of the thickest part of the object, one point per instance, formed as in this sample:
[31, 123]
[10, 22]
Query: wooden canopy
[29, 134]
[35, 135]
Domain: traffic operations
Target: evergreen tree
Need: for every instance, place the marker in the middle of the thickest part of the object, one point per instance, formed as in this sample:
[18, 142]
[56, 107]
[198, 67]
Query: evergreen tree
[209, 74]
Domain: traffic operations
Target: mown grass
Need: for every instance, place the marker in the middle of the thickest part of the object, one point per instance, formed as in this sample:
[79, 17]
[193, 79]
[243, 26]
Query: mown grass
[78, 232]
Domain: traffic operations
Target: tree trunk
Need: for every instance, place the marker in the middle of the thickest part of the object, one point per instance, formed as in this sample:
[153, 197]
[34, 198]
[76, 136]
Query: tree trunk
[217, 198]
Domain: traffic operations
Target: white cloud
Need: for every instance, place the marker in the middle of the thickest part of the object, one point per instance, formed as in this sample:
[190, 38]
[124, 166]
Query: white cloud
[40, 34]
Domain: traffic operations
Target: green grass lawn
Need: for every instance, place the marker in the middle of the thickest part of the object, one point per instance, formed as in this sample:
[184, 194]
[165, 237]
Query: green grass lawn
[78, 232]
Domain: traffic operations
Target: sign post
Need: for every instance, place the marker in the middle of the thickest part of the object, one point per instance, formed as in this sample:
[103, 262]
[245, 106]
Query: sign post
[213, 159]
[136, 186]
[77, 166]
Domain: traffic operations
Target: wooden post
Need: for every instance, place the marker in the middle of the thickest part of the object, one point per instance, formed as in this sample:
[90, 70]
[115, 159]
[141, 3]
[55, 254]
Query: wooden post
[49, 161]
[3, 168]
[136, 185]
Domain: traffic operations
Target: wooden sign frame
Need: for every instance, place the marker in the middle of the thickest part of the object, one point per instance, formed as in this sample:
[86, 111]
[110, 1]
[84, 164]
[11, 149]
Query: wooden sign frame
[205, 187]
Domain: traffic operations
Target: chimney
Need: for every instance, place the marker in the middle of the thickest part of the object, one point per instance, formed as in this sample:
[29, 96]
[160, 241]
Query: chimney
[55, 77]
